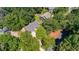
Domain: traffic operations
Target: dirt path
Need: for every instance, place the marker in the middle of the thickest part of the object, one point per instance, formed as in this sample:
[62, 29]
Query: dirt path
[40, 48]
[16, 33]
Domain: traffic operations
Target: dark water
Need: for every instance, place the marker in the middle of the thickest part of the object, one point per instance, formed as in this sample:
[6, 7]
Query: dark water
[64, 34]
[58, 41]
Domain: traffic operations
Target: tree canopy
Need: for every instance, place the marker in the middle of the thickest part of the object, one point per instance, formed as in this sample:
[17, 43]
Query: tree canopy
[46, 40]
[8, 43]
[16, 18]
[70, 43]
[28, 43]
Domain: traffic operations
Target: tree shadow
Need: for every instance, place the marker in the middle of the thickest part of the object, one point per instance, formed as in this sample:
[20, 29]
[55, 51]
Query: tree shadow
[65, 33]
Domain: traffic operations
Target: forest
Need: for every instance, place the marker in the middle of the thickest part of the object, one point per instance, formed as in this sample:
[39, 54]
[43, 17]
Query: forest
[39, 29]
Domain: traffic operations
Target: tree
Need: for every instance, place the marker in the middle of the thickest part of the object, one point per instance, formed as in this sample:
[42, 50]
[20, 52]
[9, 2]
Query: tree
[70, 22]
[58, 21]
[8, 43]
[70, 43]
[73, 22]
[59, 17]
[2, 14]
[16, 18]
[75, 11]
[51, 25]
[46, 40]
[28, 43]
[59, 13]
[60, 10]
[40, 32]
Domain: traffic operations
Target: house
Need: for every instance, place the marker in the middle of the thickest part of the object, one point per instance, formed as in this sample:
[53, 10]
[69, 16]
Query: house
[59, 35]
[56, 34]
[32, 27]
[45, 16]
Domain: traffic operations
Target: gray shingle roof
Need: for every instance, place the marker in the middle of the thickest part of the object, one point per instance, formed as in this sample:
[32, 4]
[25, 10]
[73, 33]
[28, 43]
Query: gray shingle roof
[46, 15]
[32, 26]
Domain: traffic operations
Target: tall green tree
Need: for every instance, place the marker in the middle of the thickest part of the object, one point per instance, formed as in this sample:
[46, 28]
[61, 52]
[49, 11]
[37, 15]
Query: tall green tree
[46, 40]
[51, 25]
[8, 43]
[41, 32]
[60, 10]
[70, 43]
[28, 43]
[16, 18]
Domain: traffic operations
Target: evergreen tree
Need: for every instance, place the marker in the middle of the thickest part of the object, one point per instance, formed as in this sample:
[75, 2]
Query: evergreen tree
[8, 43]
[28, 43]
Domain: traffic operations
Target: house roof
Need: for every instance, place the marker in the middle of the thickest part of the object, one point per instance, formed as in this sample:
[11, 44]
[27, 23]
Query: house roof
[56, 34]
[46, 15]
[32, 26]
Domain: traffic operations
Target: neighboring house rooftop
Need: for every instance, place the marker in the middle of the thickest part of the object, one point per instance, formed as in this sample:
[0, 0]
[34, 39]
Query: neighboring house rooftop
[56, 34]
[46, 15]
[32, 26]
